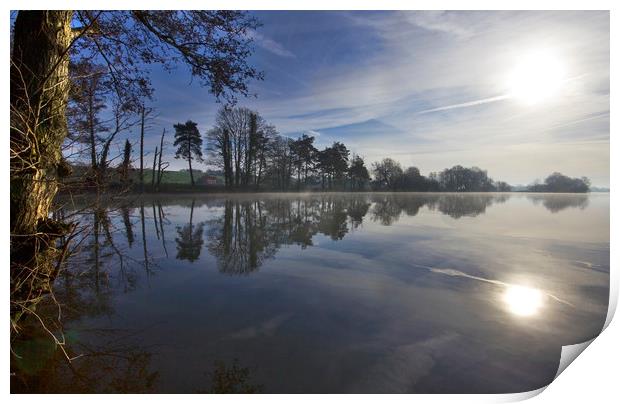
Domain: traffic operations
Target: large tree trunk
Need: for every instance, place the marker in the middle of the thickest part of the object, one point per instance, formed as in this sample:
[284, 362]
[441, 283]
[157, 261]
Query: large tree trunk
[39, 93]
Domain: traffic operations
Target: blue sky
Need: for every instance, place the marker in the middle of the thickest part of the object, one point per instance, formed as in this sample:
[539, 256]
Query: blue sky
[430, 89]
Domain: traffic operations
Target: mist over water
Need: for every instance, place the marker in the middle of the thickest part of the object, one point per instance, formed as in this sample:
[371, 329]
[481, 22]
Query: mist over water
[323, 293]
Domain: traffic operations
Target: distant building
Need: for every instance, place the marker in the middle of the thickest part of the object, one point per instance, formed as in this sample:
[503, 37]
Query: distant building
[208, 180]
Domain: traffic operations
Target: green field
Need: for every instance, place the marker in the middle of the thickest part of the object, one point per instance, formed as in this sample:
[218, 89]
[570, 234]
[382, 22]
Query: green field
[182, 177]
[171, 177]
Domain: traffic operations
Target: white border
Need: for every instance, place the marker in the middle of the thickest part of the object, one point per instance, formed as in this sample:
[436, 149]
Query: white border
[594, 375]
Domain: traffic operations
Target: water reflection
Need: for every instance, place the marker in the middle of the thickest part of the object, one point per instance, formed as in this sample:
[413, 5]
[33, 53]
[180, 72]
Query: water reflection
[115, 368]
[189, 240]
[231, 379]
[523, 300]
[320, 296]
[91, 360]
[558, 202]
[388, 208]
[459, 205]
[518, 299]
[251, 230]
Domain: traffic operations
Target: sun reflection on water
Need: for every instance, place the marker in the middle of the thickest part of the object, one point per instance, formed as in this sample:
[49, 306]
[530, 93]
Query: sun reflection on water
[523, 300]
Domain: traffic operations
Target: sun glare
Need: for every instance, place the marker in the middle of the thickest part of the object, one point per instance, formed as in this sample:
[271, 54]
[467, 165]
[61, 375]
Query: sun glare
[536, 77]
[522, 300]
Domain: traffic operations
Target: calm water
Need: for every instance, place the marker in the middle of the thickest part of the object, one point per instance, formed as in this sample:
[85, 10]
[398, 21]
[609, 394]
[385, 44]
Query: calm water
[326, 293]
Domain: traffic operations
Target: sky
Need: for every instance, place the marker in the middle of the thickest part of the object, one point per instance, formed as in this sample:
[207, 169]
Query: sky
[519, 93]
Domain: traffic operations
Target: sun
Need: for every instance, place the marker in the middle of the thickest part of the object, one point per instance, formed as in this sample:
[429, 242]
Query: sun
[536, 77]
[522, 300]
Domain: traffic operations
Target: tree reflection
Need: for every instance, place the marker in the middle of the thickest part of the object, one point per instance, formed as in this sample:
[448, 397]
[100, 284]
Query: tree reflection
[471, 205]
[333, 218]
[111, 360]
[85, 289]
[190, 239]
[115, 368]
[388, 209]
[357, 208]
[249, 231]
[126, 211]
[231, 379]
[239, 239]
[162, 217]
[144, 246]
[556, 203]
[242, 233]
[99, 264]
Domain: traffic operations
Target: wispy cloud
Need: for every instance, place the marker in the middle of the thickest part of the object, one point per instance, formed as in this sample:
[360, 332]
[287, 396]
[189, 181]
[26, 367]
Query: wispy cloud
[441, 21]
[314, 133]
[466, 104]
[270, 45]
[267, 328]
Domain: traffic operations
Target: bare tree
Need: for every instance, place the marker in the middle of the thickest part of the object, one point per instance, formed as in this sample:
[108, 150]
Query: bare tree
[123, 114]
[143, 113]
[88, 96]
[153, 170]
[238, 143]
[388, 173]
[125, 165]
[161, 166]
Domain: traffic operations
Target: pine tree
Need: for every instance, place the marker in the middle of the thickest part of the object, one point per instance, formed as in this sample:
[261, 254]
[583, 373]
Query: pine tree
[358, 173]
[188, 142]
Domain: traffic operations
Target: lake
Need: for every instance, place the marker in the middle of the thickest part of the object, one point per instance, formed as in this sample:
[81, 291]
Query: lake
[324, 293]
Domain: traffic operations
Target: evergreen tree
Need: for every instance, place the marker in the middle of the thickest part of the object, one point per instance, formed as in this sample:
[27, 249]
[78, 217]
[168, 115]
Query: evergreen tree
[306, 153]
[338, 156]
[358, 173]
[188, 142]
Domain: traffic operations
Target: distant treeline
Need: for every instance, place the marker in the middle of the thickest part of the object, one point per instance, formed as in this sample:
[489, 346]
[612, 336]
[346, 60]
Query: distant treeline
[250, 155]
[389, 176]
[557, 182]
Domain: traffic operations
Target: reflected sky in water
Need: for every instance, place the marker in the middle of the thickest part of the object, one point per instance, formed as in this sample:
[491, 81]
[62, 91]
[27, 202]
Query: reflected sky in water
[522, 300]
[331, 292]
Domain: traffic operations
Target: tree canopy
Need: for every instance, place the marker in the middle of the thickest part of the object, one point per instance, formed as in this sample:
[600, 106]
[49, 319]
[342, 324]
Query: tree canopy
[188, 142]
[213, 44]
[558, 182]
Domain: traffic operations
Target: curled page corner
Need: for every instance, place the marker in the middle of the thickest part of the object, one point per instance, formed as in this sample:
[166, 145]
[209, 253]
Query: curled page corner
[526, 395]
[613, 298]
[570, 353]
